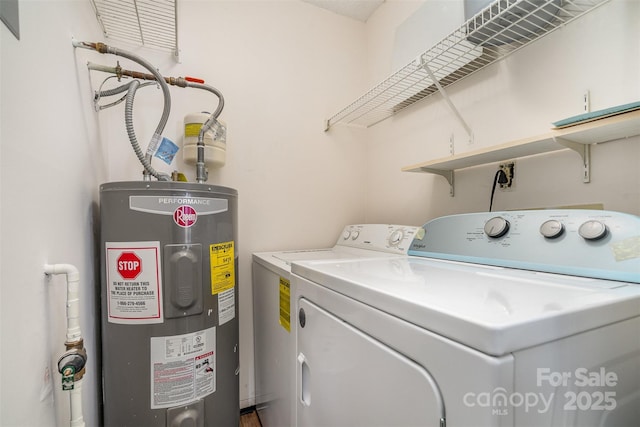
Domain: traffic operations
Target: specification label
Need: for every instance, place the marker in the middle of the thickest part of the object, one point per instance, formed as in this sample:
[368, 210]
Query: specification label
[223, 279]
[183, 368]
[285, 303]
[226, 306]
[134, 286]
[223, 275]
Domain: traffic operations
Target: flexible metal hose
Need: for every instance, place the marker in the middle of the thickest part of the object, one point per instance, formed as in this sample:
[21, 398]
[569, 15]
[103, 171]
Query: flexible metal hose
[159, 78]
[120, 89]
[201, 173]
[213, 90]
[103, 48]
[128, 119]
[109, 92]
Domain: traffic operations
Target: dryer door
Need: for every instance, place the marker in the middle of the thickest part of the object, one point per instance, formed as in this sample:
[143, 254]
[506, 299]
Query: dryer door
[347, 378]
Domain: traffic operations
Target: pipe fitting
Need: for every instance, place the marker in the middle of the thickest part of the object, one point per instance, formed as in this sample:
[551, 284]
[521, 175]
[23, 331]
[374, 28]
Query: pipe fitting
[72, 272]
[101, 47]
[77, 345]
[73, 301]
[73, 362]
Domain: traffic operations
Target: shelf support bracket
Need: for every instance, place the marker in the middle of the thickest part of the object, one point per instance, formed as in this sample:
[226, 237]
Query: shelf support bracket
[584, 150]
[453, 108]
[447, 174]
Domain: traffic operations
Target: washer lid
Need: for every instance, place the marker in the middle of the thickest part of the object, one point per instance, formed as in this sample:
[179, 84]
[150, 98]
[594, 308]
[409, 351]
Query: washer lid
[282, 260]
[493, 309]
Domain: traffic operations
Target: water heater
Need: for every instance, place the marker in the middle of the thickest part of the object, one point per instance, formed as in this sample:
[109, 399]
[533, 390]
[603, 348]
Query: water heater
[169, 294]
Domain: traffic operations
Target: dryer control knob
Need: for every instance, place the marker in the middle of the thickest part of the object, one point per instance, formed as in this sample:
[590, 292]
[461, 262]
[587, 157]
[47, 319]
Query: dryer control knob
[355, 235]
[396, 237]
[551, 229]
[496, 227]
[592, 230]
[346, 234]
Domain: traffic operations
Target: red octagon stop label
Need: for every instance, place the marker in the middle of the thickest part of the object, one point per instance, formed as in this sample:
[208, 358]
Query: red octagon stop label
[129, 265]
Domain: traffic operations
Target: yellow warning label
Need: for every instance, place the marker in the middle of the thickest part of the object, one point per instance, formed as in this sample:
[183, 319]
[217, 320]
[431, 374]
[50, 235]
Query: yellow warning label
[223, 276]
[192, 129]
[285, 304]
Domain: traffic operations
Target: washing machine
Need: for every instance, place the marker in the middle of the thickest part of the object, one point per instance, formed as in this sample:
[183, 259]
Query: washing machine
[527, 318]
[272, 291]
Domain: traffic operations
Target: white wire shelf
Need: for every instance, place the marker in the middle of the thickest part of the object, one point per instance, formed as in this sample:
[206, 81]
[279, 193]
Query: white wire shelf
[149, 23]
[493, 33]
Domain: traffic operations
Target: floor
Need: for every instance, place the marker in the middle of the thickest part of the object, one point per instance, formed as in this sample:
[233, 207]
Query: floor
[250, 420]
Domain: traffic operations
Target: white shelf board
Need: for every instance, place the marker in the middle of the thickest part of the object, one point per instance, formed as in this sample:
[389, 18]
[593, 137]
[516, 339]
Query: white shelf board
[601, 130]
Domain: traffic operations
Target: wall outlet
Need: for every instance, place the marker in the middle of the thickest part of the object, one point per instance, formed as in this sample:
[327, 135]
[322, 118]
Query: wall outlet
[509, 169]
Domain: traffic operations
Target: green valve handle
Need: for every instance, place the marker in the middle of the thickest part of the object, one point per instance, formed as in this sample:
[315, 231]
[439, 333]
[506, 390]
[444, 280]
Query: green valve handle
[68, 377]
[70, 364]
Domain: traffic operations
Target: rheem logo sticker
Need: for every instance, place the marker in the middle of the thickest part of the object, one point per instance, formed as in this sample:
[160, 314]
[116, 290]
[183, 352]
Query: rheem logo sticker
[185, 216]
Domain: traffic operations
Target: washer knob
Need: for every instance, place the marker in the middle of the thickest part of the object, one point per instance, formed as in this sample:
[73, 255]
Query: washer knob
[396, 237]
[355, 235]
[496, 227]
[551, 229]
[346, 234]
[592, 230]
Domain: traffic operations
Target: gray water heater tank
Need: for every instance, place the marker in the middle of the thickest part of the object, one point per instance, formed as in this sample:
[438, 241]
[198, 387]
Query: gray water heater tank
[169, 297]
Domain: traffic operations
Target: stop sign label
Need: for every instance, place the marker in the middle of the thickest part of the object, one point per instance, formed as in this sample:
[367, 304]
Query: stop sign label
[129, 265]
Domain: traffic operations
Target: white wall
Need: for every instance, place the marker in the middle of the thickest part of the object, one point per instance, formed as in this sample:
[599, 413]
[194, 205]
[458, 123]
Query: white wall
[515, 98]
[283, 67]
[48, 188]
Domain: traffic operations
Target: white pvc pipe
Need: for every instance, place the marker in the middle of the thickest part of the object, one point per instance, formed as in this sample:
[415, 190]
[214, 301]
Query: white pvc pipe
[73, 300]
[73, 332]
[77, 420]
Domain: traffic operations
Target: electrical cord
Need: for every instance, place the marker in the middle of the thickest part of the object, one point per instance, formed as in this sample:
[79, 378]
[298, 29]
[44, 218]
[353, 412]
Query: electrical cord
[501, 178]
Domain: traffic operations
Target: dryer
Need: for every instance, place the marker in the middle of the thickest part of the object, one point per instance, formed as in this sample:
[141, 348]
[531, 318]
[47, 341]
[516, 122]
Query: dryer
[528, 318]
[274, 345]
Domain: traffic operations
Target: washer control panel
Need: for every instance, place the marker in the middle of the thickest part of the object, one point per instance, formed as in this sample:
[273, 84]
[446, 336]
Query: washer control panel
[379, 237]
[588, 243]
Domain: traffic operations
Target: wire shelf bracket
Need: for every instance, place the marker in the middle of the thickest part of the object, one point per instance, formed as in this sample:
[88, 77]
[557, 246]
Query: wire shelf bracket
[451, 105]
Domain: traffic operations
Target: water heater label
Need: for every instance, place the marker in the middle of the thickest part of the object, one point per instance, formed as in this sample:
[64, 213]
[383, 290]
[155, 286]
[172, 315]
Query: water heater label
[134, 286]
[223, 279]
[221, 256]
[226, 306]
[183, 368]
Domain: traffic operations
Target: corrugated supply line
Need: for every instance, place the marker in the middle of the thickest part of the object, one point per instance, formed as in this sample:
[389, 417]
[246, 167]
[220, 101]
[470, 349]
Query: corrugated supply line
[498, 30]
[150, 23]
